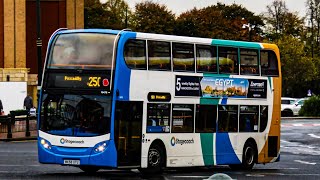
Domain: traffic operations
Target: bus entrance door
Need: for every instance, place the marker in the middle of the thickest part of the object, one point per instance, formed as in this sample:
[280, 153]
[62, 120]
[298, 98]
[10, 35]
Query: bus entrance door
[128, 131]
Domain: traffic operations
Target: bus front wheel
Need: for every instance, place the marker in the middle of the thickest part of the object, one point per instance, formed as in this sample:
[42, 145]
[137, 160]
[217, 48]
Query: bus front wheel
[156, 160]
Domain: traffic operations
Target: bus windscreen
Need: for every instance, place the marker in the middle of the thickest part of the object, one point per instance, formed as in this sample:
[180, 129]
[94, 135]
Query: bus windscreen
[82, 51]
[75, 115]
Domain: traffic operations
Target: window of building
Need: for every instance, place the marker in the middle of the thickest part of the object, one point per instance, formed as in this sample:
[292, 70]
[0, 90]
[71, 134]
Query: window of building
[206, 58]
[158, 118]
[159, 55]
[206, 116]
[183, 57]
[182, 118]
[269, 63]
[248, 121]
[263, 118]
[228, 118]
[249, 62]
[135, 54]
[228, 60]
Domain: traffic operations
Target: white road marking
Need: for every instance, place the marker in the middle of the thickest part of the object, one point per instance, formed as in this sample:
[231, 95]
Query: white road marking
[297, 148]
[305, 162]
[314, 136]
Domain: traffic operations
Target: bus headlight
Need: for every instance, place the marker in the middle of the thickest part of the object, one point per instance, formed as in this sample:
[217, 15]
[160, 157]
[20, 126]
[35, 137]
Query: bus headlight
[45, 144]
[100, 147]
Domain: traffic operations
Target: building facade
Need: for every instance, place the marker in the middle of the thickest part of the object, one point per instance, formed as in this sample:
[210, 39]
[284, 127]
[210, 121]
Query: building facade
[18, 35]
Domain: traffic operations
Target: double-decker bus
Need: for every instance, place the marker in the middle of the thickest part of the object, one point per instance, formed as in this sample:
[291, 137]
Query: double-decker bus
[122, 99]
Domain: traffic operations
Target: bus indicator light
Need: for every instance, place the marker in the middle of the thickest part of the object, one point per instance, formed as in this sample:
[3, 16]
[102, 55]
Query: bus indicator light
[105, 82]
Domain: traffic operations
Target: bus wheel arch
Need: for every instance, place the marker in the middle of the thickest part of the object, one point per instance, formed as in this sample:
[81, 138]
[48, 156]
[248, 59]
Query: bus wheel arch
[249, 154]
[157, 157]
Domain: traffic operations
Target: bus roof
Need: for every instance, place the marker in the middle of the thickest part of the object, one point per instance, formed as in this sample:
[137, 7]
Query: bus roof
[152, 36]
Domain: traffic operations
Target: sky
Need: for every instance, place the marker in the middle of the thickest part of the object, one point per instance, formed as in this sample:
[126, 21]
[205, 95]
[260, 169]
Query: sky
[256, 6]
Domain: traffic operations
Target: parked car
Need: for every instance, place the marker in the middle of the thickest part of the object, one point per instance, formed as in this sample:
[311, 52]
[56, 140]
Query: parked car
[287, 100]
[293, 108]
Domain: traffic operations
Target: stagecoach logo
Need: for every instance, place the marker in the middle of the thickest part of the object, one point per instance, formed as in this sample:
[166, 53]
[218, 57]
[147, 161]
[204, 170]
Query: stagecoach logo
[175, 141]
[63, 141]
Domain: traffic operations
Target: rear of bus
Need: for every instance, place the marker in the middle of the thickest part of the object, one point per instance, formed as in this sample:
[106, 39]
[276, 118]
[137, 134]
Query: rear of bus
[76, 100]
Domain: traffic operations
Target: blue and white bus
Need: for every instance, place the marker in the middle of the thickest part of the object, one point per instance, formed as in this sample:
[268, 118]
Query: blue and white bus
[122, 99]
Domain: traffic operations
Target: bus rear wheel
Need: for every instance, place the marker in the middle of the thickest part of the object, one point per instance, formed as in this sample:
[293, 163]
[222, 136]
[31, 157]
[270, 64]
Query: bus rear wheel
[249, 156]
[89, 169]
[156, 160]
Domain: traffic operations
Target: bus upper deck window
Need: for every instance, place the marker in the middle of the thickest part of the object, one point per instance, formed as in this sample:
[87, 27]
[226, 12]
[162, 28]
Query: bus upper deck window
[135, 54]
[269, 63]
[249, 62]
[228, 60]
[206, 58]
[183, 57]
[82, 50]
[159, 55]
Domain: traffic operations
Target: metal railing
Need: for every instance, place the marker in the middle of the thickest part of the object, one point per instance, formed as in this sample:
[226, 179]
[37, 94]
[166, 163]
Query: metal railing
[17, 122]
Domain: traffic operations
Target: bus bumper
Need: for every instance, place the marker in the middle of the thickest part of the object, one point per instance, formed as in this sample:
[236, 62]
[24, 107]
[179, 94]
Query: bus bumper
[76, 156]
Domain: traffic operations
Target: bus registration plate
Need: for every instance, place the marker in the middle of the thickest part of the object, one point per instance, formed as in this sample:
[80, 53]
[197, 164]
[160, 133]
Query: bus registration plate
[73, 162]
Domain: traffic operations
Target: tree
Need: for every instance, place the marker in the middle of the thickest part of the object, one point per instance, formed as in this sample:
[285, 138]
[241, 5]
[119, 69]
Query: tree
[187, 24]
[221, 22]
[238, 16]
[119, 11]
[313, 13]
[153, 18]
[298, 70]
[276, 15]
[112, 14]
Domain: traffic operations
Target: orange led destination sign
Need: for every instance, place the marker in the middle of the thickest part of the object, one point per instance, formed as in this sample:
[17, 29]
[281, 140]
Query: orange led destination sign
[88, 81]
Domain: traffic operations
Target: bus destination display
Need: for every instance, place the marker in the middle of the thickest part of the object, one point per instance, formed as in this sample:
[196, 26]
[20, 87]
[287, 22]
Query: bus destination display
[88, 81]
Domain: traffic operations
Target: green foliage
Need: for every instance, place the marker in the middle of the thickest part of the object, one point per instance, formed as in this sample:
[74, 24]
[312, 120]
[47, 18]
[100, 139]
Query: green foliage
[282, 22]
[111, 15]
[221, 22]
[153, 18]
[297, 69]
[311, 107]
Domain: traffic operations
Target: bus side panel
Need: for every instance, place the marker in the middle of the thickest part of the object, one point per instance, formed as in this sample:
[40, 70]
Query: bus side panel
[271, 149]
[225, 153]
[121, 90]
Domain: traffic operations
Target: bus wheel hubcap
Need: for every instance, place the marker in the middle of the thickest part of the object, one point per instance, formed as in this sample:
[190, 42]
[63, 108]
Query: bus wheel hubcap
[154, 157]
[249, 155]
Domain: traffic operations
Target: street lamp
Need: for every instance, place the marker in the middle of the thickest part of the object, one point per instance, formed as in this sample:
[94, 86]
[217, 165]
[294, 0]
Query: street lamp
[250, 27]
[39, 44]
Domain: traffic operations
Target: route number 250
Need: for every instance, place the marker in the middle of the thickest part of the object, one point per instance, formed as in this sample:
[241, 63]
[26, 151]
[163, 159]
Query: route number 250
[94, 82]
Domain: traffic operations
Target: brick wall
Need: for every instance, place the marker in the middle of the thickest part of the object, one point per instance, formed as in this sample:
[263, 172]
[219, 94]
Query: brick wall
[15, 74]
